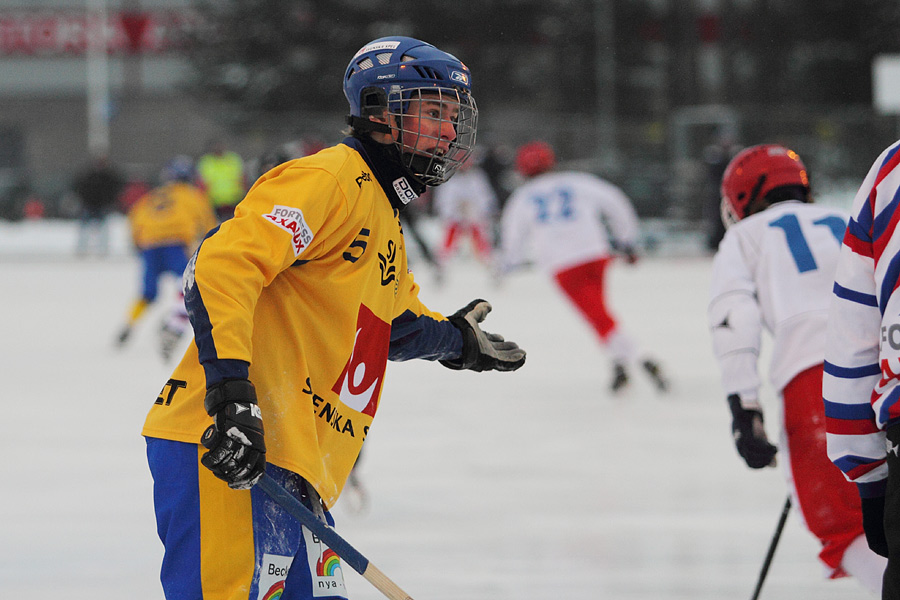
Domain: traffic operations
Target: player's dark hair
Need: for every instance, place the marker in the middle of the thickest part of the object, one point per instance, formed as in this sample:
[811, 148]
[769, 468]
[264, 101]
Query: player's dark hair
[788, 192]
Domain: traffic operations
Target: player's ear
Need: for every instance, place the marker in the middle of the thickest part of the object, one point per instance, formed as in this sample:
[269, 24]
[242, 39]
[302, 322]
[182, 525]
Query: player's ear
[380, 118]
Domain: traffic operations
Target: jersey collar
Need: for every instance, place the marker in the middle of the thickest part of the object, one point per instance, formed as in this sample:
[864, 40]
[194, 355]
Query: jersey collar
[396, 183]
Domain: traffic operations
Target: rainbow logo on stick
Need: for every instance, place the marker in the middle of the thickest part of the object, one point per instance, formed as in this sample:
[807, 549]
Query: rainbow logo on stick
[275, 591]
[328, 564]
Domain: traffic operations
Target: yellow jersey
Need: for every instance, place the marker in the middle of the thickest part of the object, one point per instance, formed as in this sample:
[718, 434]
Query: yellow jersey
[305, 291]
[174, 214]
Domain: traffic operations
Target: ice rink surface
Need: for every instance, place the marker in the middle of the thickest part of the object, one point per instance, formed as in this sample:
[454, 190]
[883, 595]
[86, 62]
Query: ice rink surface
[530, 485]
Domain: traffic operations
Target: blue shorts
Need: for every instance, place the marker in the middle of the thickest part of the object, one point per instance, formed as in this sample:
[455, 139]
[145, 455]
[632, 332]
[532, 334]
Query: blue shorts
[227, 544]
[157, 261]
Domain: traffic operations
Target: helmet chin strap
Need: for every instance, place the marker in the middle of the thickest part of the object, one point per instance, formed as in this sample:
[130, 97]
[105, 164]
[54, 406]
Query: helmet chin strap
[417, 166]
[430, 166]
[363, 124]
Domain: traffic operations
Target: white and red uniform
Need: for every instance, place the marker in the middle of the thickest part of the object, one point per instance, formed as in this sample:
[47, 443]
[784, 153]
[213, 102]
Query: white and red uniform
[466, 205]
[774, 271]
[554, 219]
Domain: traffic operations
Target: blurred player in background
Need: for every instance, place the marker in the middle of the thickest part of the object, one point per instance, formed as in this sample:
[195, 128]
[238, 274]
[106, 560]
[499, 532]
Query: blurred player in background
[862, 368]
[220, 174]
[166, 224]
[297, 304]
[556, 216]
[466, 207]
[774, 270]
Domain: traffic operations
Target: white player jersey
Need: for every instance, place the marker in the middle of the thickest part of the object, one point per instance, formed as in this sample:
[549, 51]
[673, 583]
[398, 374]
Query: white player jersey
[466, 198]
[555, 219]
[774, 270]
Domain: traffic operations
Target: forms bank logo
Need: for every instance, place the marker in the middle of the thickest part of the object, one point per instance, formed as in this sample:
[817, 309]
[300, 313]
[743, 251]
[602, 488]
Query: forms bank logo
[359, 384]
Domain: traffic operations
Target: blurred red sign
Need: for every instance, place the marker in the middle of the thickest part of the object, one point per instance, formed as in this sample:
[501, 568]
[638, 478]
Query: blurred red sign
[67, 33]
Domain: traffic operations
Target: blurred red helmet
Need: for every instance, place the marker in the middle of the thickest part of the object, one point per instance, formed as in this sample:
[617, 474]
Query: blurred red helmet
[534, 158]
[755, 172]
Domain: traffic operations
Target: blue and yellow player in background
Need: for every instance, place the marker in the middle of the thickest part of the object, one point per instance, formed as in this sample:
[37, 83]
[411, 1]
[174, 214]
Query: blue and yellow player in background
[166, 225]
[297, 305]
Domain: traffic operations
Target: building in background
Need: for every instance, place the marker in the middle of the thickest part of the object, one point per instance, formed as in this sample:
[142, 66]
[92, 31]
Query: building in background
[632, 90]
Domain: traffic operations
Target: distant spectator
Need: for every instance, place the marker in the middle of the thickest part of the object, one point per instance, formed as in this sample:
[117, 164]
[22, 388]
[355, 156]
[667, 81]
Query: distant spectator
[272, 159]
[34, 209]
[220, 174]
[98, 189]
[716, 157]
[497, 163]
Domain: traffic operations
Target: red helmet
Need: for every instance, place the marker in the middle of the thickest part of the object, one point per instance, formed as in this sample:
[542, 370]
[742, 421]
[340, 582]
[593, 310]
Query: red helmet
[534, 158]
[755, 172]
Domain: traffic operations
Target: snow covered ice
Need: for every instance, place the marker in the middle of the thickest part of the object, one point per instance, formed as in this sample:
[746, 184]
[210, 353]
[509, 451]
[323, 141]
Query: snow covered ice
[503, 486]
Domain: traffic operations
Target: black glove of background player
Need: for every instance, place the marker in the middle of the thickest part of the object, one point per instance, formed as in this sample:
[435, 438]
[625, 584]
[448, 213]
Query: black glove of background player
[482, 351]
[236, 440]
[873, 524]
[750, 435]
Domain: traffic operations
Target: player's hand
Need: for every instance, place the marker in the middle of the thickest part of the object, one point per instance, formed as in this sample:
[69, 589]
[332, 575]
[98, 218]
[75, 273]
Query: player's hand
[482, 351]
[873, 524]
[750, 435]
[236, 440]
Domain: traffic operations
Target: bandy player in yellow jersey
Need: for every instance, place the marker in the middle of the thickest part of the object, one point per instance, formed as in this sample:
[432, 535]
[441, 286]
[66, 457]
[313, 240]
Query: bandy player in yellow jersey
[297, 304]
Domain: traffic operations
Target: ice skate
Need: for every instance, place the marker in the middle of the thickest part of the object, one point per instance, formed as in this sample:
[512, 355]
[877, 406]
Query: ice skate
[123, 336]
[653, 370]
[620, 378]
[168, 339]
[357, 498]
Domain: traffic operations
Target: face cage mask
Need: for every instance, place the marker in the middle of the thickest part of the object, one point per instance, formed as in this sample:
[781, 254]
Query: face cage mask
[729, 217]
[424, 159]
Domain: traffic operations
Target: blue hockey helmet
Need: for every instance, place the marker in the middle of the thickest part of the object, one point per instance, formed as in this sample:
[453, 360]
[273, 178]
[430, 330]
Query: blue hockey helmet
[179, 168]
[387, 75]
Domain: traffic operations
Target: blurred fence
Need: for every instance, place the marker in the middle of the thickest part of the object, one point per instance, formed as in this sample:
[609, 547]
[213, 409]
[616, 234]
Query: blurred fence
[660, 164]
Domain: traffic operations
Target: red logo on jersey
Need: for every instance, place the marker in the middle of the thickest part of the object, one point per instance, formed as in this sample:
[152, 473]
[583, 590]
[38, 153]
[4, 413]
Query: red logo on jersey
[359, 384]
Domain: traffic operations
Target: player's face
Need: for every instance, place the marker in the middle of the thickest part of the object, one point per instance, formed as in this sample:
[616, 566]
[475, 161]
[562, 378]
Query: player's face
[429, 123]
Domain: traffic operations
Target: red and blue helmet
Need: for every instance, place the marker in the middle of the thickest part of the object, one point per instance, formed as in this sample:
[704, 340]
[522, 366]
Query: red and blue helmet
[387, 73]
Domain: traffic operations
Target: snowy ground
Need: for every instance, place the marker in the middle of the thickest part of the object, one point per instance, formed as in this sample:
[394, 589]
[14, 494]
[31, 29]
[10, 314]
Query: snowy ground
[503, 486]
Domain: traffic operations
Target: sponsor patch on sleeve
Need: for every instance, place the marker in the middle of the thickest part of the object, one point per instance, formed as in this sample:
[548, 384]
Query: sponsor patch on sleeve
[291, 220]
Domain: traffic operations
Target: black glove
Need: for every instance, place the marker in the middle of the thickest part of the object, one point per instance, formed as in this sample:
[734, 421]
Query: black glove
[750, 435]
[629, 254]
[482, 351]
[236, 441]
[627, 251]
[873, 524]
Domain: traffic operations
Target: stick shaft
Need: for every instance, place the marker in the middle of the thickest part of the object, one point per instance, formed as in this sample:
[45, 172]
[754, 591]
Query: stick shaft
[772, 546]
[348, 553]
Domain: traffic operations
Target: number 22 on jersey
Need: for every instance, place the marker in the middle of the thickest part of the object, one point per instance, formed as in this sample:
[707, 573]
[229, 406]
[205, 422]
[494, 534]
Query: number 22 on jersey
[556, 206]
